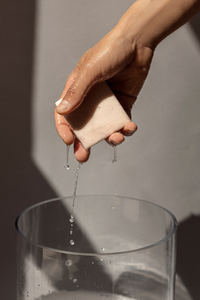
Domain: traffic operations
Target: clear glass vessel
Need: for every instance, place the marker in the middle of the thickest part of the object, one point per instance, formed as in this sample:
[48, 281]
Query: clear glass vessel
[112, 248]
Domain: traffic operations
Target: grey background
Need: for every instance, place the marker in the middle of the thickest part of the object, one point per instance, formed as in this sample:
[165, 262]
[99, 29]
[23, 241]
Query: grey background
[40, 44]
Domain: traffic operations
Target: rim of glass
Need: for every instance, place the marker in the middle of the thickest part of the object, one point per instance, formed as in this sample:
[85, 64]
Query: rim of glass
[167, 237]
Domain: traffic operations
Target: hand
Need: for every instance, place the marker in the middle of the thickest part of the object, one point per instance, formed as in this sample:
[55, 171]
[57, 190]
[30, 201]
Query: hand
[123, 65]
[122, 59]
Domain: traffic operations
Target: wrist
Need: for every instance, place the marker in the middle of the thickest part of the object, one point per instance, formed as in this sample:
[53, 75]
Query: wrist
[148, 22]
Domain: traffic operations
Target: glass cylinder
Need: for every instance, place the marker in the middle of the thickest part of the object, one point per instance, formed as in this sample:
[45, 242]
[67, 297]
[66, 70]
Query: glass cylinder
[108, 247]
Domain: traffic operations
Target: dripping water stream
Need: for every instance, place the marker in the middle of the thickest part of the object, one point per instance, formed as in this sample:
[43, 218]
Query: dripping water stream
[76, 183]
[73, 203]
[66, 166]
[115, 154]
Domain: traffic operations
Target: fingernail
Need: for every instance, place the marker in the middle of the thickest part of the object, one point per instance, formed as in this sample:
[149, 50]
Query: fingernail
[129, 133]
[132, 131]
[58, 102]
[114, 144]
[63, 105]
[132, 128]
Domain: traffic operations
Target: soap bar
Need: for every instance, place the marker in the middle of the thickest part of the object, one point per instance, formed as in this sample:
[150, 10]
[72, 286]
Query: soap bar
[98, 116]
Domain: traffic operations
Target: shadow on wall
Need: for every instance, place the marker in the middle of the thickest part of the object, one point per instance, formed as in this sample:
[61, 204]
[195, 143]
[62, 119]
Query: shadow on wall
[21, 183]
[188, 241]
[195, 25]
[188, 258]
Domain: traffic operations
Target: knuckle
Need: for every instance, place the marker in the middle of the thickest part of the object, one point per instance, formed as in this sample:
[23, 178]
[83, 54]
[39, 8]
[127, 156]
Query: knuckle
[72, 90]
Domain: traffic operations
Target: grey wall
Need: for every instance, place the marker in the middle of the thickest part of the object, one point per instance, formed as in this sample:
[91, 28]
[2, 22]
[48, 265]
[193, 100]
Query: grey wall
[40, 44]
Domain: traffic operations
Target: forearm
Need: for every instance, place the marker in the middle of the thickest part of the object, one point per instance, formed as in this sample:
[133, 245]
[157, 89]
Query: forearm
[148, 22]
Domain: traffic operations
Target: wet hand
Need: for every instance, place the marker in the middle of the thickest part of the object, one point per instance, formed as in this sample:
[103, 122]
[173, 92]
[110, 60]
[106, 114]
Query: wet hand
[123, 65]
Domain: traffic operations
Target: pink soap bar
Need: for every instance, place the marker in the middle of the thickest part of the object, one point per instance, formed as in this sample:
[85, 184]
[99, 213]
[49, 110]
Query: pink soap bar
[98, 116]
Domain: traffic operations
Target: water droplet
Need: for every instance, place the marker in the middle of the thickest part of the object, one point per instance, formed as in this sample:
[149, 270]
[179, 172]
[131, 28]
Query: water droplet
[103, 249]
[113, 207]
[49, 291]
[71, 242]
[77, 285]
[69, 263]
[71, 220]
[101, 259]
[74, 280]
[49, 281]
[92, 262]
[71, 232]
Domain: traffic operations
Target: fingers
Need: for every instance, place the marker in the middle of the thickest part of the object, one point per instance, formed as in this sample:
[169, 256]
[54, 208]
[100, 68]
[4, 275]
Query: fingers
[67, 136]
[117, 138]
[81, 154]
[96, 65]
[129, 129]
[72, 96]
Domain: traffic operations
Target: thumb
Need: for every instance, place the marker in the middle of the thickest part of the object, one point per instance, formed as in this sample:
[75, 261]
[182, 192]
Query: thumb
[76, 93]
